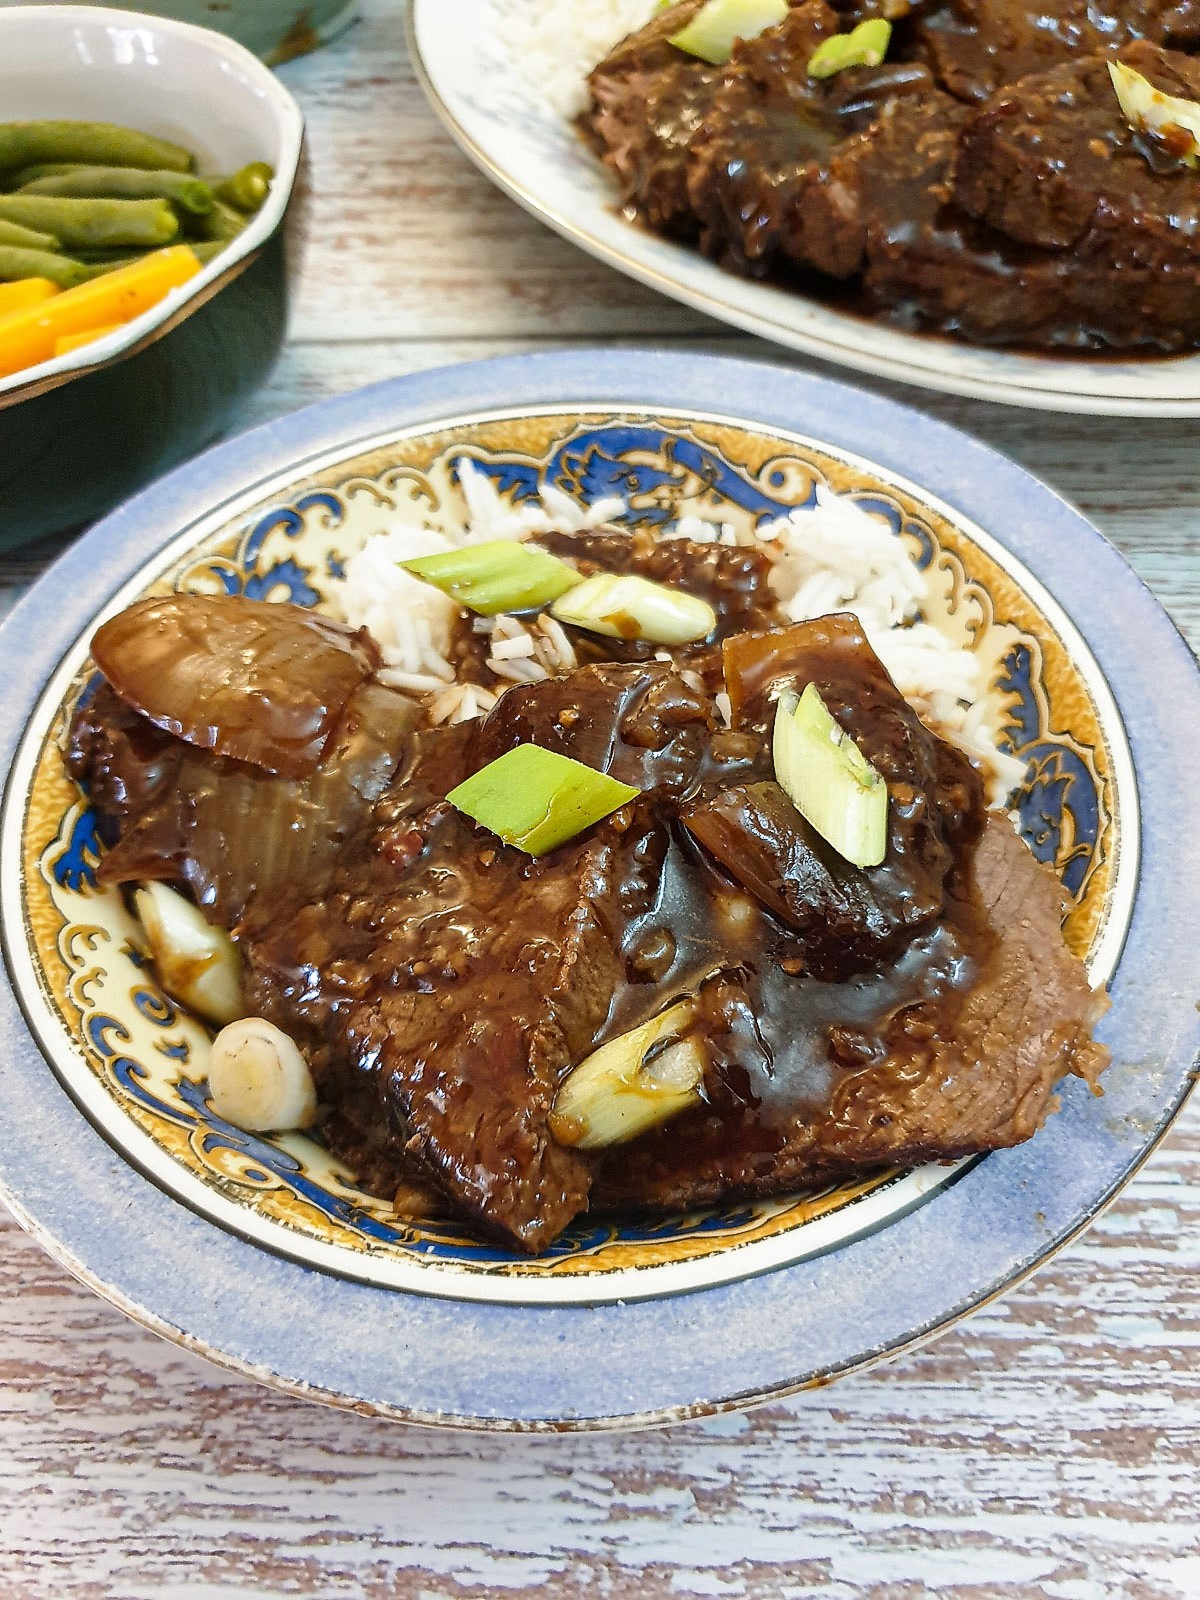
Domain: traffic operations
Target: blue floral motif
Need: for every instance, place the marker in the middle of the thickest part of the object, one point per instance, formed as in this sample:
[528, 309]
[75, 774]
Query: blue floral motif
[100, 1027]
[1024, 714]
[1058, 805]
[106, 1035]
[155, 1008]
[285, 579]
[289, 520]
[218, 1134]
[75, 867]
[615, 460]
[289, 576]
[519, 480]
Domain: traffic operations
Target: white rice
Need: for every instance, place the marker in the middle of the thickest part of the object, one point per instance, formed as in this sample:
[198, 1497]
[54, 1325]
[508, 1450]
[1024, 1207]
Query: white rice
[412, 623]
[833, 556]
[554, 46]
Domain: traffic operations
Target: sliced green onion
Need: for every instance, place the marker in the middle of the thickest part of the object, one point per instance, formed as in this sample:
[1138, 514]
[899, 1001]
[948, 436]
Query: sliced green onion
[624, 606]
[536, 799]
[829, 780]
[1175, 120]
[258, 1080]
[716, 27]
[196, 963]
[864, 46]
[632, 1083]
[500, 575]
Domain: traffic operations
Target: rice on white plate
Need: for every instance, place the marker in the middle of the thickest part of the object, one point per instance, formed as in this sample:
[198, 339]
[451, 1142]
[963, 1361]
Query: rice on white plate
[833, 556]
[555, 45]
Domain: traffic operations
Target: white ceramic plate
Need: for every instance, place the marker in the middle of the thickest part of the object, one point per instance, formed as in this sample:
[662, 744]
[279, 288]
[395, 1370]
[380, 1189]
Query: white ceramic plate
[500, 119]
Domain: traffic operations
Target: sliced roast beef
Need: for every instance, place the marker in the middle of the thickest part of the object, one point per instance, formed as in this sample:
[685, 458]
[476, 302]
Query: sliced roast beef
[1031, 234]
[957, 1050]
[888, 212]
[886, 186]
[770, 132]
[443, 983]
[1052, 156]
[847, 918]
[763, 843]
[978, 46]
[648, 99]
[446, 981]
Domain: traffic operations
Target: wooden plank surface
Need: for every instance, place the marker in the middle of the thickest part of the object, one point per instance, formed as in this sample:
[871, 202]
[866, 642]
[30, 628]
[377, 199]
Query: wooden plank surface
[1046, 1448]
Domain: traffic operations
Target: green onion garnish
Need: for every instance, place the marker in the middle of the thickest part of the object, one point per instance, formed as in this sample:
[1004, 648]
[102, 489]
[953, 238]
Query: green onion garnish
[497, 576]
[713, 31]
[536, 799]
[864, 46]
[632, 1083]
[829, 780]
[1172, 118]
[623, 606]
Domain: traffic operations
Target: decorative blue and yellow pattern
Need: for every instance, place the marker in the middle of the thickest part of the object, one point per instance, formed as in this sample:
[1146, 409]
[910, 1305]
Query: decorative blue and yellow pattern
[148, 1057]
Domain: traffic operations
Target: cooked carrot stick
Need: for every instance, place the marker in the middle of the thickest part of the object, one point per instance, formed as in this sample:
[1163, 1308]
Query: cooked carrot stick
[73, 341]
[28, 337]
[28, 292]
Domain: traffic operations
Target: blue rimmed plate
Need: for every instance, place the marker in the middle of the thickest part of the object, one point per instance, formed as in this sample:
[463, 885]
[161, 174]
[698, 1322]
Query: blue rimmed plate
[263, 1254]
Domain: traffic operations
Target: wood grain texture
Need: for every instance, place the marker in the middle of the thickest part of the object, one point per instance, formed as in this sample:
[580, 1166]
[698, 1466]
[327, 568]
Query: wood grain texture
[1048, 1447]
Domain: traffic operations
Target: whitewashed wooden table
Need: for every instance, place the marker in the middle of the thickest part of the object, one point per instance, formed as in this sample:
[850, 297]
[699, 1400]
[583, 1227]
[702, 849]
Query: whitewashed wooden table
[1048, 1447]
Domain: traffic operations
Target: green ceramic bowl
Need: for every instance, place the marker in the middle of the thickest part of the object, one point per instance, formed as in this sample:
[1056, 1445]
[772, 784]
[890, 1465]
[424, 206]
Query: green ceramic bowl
[80, 433]
[276, 30]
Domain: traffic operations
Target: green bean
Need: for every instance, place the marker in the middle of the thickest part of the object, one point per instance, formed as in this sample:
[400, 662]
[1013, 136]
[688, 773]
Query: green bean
[41, 169]
[24, 143]
[248, 187]
[97, 269]
[26, 238]
[206, 249]
[16, 264]
[93, 224]
[126, 183]
[117, 253]
[98, 262]
[222, 222]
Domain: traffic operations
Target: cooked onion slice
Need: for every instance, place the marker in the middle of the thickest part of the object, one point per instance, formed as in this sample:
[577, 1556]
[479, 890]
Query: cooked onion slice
[234, 832]
[537, 799]
[632, 1083]
[246, 679]
[624, 606]
[499, 575]
[1169, 117]
[829, 780]
[258, 1080]
[717, 26]
[196, 963]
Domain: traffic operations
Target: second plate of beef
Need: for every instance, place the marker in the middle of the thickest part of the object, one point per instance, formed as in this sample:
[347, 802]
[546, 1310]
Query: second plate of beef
[975, 214]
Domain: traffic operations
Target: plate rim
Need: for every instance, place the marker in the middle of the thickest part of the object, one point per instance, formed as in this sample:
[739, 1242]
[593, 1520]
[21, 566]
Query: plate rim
[996, 388]
[451, 1280]
[45, 624]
